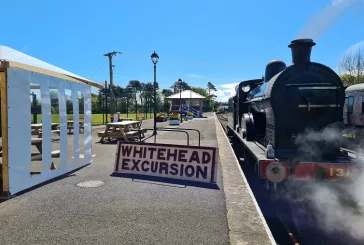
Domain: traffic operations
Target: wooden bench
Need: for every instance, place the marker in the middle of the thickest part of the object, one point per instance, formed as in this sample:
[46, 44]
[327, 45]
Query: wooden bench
[53, 131]
[141, 131]
[132, 134]
[109, 133]
[55, 153]
[79, 128]
[117, 134]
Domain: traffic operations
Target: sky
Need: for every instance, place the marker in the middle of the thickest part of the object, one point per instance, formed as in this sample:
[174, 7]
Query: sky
[223, 42]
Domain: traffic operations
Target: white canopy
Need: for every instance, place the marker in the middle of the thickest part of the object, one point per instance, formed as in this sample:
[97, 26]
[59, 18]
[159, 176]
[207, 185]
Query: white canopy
[12, 55]
[186, 94]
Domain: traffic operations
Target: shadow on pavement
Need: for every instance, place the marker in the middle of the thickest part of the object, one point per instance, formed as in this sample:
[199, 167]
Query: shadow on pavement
[182, 183]
[66, 175]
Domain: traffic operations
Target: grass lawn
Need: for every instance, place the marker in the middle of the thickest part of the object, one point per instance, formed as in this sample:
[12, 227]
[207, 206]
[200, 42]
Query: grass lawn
[96, 118]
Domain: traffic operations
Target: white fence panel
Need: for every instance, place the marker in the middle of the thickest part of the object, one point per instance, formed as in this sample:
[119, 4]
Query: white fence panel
[19, 128]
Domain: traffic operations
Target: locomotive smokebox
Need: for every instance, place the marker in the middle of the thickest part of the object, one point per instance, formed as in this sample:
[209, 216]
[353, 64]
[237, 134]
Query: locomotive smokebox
[301, 50]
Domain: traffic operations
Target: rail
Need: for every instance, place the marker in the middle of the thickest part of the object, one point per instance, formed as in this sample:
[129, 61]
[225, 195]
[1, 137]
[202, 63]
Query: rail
[199, 133]
[168, 130]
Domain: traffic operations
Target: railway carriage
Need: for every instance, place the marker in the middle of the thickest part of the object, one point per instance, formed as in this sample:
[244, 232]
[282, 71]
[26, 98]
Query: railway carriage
[353, 114]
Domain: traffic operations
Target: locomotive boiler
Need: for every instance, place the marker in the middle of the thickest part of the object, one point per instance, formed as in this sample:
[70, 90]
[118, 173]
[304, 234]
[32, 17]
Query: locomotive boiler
[273, 115]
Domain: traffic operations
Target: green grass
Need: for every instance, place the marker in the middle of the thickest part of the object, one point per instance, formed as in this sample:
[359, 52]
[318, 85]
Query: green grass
[96, 118]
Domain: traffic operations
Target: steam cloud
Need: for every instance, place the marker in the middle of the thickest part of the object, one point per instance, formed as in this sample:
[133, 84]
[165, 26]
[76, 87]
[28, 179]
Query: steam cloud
[320, 22]
[308, 142]
[336, 207]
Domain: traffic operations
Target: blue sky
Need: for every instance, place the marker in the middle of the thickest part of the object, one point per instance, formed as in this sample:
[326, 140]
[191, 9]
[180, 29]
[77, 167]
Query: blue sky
[198, 41]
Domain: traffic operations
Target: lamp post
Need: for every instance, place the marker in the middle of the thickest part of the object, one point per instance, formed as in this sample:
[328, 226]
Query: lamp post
[155, 59]
[180, 96]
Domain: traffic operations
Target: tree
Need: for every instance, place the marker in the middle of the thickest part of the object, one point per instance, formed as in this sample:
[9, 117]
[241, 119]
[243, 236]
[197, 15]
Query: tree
[128, 92]
[148, 96]
[210, 87]
[136, 86]
[103, 93]
[351, 68]
[184, 85]
[166, 93]
[53, 94]
[95, 104]
[200, 90]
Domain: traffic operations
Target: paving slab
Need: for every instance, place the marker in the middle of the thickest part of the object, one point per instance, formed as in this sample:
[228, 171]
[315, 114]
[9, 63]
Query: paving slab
[118, 211]
[90, 206]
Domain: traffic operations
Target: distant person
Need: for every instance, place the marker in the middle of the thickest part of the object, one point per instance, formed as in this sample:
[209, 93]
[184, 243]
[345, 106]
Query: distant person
[116, 118]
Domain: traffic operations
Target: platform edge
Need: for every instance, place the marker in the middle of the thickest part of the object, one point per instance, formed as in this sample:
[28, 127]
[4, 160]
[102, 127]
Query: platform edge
[238, 237]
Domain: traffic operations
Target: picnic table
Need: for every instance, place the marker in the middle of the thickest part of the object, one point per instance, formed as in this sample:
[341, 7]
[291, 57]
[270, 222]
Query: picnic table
[37, 142]
[125, 119]
[122, 130]
[70, 125]
[37, 128]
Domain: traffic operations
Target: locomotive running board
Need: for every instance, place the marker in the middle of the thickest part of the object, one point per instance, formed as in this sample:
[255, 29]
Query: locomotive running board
[307, 84]
[307, 88]
[319, 106]
[256, 149]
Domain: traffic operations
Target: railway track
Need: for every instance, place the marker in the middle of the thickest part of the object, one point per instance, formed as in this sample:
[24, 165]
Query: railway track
[282, 227]
[223, 120]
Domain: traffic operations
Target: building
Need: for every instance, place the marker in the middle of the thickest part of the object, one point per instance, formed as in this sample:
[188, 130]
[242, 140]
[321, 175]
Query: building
[190, 100]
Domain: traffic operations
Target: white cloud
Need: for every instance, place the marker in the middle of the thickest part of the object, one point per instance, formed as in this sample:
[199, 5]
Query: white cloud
[337, 2]
[229, 85]
[352, 50]
[355, 48]
[194, 75]
[225, 91]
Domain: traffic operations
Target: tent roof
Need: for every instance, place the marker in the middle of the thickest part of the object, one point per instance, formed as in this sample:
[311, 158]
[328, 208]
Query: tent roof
[187, 94]
[14, 58]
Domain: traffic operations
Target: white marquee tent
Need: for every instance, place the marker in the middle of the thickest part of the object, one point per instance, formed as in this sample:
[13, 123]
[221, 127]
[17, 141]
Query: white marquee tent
[19, 73]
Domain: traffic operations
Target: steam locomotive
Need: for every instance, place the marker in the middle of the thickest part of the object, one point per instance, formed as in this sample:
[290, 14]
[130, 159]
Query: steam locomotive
[289, 121]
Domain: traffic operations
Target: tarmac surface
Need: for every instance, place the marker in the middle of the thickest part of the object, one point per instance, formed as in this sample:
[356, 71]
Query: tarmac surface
[120, 210]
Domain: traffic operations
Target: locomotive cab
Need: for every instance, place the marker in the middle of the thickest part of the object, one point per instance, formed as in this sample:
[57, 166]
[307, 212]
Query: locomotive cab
[242, 91]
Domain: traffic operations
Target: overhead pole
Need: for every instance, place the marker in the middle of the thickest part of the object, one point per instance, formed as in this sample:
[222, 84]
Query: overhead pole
[111, 66]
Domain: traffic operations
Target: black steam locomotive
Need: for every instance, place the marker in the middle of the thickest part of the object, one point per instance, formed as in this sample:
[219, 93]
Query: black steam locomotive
[289, 121]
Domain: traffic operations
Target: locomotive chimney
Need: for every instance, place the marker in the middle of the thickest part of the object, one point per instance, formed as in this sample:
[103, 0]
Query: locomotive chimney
[301, 50]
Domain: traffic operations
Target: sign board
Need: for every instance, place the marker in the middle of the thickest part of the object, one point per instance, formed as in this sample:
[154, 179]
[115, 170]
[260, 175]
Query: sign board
[170, 161]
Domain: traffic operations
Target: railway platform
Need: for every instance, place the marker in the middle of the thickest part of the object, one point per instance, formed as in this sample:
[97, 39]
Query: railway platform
[93, 206]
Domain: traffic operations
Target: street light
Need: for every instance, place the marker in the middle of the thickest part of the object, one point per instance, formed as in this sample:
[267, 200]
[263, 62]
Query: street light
[155, 59]
[180, 96]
